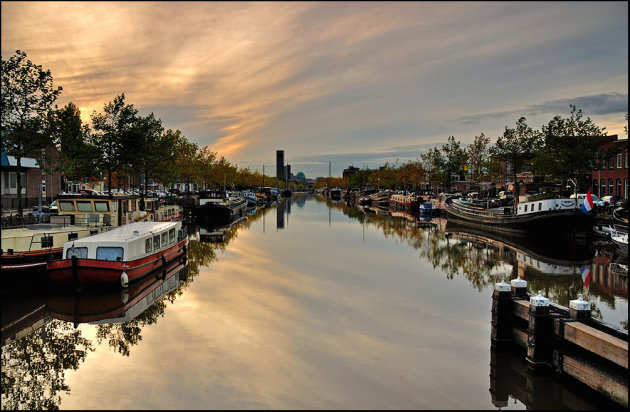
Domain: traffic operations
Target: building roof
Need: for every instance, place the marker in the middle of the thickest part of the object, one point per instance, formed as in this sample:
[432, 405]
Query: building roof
[12, 161]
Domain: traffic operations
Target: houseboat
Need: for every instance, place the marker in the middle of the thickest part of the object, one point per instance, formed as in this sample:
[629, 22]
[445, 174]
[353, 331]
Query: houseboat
[409, 203]
[119, 256]
[29, 248]
[217, 207]
[335, 193]
[104, 210]
[551, 217]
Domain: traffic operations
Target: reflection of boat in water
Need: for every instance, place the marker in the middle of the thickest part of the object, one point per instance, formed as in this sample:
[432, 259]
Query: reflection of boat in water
[218, 233]
[412, 217]
[544, 255]
[375, 210]
[22, 315]
[114, 306]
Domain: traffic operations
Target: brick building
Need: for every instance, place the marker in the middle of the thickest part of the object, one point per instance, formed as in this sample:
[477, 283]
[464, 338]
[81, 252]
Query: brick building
[33, 178]
[610, 178]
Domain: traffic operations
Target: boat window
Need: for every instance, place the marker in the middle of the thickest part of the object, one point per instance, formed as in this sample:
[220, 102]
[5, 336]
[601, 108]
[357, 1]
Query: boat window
[525, 209]
[72, 236]
[79, 252]
[134, 205]
[47, 241]
[148, 247]
[156, 242]
[66, 206]
[101, 206]
[114, 206]
[540, 206]
[84, 206]
[171, 235]
[164, 238]
[109, 253]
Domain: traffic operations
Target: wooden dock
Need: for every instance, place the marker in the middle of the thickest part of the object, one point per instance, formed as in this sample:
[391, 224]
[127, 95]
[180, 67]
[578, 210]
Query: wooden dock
[560, 340]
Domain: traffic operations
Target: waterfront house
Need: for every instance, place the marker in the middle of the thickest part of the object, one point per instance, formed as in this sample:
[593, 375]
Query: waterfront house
[610, 178]
[35, 183]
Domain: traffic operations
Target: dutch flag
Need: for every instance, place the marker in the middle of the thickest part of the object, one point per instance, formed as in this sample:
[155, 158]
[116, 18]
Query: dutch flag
[585, 271]
[588, 202]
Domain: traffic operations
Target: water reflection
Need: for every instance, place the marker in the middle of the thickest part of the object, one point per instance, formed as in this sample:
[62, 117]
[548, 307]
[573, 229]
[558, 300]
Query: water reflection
[281, 326]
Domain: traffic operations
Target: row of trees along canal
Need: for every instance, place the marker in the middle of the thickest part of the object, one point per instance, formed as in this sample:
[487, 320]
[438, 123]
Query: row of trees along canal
[563, 149]
[120, 145]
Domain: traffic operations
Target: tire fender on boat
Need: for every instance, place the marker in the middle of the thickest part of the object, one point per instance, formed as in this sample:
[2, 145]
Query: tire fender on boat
[124, 280]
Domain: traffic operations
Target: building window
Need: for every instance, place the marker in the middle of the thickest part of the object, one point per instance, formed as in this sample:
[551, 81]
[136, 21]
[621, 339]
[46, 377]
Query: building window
[603, 164]
[619, 161]
[611, 163]
[603, 187]
[618, 188]
[596, 188]
[625, 189]
[611, 188]
[10, 181]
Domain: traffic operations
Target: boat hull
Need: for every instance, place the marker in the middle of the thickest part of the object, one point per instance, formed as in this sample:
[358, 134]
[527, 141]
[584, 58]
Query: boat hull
[78, 272]
[560, 222]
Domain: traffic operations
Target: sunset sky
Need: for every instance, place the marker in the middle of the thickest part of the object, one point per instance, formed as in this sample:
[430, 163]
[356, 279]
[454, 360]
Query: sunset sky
[353, 83]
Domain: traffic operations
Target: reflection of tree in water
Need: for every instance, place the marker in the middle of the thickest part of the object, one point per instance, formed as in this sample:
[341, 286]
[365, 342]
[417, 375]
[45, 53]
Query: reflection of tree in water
[482, 265]
[33, 367]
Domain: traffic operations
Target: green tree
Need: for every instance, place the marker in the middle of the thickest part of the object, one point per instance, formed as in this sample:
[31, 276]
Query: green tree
[517, 147]
[433, 163]
[569, 147]
[454, 157]
[27, 96]
[156, 152]
[72, 155]
[113, 132]
[477, 155]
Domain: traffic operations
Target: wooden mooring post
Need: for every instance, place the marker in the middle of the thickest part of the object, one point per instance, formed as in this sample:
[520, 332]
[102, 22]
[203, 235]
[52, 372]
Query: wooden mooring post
[560, 340]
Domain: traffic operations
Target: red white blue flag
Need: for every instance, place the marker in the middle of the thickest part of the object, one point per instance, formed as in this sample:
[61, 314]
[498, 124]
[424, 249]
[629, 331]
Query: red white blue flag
[585, 271]
[588, 202]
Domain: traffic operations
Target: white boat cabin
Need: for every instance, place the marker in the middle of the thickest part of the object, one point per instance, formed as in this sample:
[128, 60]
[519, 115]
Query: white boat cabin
[546, 205]
[126, 243]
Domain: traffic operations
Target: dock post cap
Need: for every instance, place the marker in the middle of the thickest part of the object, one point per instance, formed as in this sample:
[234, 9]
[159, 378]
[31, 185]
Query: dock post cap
[518, 283]
[539, 300]
[502, 287]
[580, 304]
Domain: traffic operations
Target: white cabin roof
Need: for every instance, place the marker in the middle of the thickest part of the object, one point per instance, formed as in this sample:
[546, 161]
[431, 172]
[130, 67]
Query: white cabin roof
[126, 232]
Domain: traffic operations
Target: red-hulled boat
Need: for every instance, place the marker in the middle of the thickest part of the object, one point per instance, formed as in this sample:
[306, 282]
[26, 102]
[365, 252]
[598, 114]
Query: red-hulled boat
[120, 256]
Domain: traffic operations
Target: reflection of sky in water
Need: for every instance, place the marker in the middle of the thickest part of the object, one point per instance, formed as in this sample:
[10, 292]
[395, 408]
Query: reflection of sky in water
[310, 316]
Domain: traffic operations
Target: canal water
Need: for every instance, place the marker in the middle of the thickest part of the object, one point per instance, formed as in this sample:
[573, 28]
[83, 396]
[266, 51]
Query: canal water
[307, 304]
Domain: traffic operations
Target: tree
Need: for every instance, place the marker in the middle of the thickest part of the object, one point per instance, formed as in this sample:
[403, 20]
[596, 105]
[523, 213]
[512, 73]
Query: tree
[27, 95]
[72, 155]
[570, 147]
[156, 148]
[454, 158]
[113, 130]
[433, 163]
[517, 146]
[186, 161]
[477, 154]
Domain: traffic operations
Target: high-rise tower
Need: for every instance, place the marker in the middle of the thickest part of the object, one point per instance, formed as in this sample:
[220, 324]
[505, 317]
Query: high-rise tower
[280, 164]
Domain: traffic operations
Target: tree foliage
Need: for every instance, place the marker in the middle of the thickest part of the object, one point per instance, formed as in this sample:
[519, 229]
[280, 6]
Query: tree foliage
[27, 96]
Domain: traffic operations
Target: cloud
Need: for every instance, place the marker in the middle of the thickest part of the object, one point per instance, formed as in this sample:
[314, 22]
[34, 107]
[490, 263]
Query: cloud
[600, 104]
